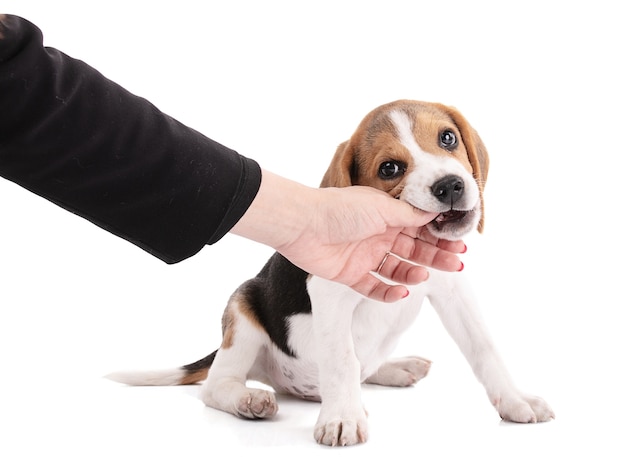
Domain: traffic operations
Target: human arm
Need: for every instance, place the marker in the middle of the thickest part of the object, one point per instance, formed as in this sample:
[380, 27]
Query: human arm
[72, 136]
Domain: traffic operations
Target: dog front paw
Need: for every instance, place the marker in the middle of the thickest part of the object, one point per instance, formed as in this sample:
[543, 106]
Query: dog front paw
[341, 430]
[524, 409]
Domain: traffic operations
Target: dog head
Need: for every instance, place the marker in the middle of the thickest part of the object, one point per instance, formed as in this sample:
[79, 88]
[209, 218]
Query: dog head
[426, 154]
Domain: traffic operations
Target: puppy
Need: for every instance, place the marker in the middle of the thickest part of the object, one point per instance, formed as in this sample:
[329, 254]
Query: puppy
[319, 340]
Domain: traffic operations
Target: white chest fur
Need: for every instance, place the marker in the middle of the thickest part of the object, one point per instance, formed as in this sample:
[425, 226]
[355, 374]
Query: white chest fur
[371, 329]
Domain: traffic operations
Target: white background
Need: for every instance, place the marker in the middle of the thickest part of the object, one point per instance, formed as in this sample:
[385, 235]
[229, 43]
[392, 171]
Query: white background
[284, 83]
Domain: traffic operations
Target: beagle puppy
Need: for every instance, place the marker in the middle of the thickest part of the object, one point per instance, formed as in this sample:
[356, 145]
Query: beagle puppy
[319, 340]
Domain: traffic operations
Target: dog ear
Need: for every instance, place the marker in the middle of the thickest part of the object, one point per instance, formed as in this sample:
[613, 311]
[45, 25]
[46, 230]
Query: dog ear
[477, 154]
[342, 168]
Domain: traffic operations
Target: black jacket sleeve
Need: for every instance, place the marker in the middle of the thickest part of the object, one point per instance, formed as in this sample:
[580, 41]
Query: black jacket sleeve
[83, 142]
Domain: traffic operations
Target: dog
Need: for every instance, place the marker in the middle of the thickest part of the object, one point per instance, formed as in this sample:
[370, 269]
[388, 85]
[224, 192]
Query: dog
[319, 340]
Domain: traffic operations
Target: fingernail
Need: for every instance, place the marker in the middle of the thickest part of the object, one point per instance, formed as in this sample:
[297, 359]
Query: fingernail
[406, 294]
[461, 267]
[464, 248]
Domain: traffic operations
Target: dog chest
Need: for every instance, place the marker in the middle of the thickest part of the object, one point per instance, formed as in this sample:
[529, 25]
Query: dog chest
[376, 328]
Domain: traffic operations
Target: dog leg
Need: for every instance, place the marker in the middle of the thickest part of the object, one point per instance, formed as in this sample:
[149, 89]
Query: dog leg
[225, 387]
[460, 316]
[342, 420]
[402, 372]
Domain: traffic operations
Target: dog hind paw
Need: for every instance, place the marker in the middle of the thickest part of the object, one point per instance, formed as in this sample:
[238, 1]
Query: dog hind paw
[257, 404]
[402, 372]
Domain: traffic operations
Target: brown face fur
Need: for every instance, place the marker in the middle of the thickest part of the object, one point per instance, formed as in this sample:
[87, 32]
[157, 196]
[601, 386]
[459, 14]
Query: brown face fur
[376, 140]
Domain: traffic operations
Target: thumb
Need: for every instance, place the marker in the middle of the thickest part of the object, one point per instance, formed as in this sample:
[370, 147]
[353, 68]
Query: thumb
[398, 213]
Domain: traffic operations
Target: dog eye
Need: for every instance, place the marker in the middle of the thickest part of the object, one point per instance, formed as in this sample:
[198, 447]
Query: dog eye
[391, 170]
[447, 140]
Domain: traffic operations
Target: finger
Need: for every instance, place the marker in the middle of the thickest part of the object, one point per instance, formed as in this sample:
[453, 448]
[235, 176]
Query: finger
[458, 246]
[374, 288]
[413, 232]
[400, 271]
[427, 254]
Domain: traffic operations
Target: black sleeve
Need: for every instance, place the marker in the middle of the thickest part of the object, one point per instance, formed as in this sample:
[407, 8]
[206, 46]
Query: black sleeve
[83, 142]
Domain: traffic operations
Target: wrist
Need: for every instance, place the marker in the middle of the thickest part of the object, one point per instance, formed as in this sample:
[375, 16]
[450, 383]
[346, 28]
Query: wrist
[280, 212]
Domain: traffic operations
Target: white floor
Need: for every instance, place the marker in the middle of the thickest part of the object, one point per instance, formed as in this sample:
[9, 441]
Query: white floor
[77, 417]
[542, 84]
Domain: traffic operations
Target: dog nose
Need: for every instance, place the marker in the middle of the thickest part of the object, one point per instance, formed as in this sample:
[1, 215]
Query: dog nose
[448, 189]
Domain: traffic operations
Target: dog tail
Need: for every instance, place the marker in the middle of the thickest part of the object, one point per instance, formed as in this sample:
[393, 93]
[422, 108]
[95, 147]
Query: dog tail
[187, 374]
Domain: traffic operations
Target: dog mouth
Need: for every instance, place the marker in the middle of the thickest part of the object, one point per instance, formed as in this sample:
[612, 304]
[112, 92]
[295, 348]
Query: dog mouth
[449, 217]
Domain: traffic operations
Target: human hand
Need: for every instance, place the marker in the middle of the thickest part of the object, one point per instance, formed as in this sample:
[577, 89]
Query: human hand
[352, 230]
